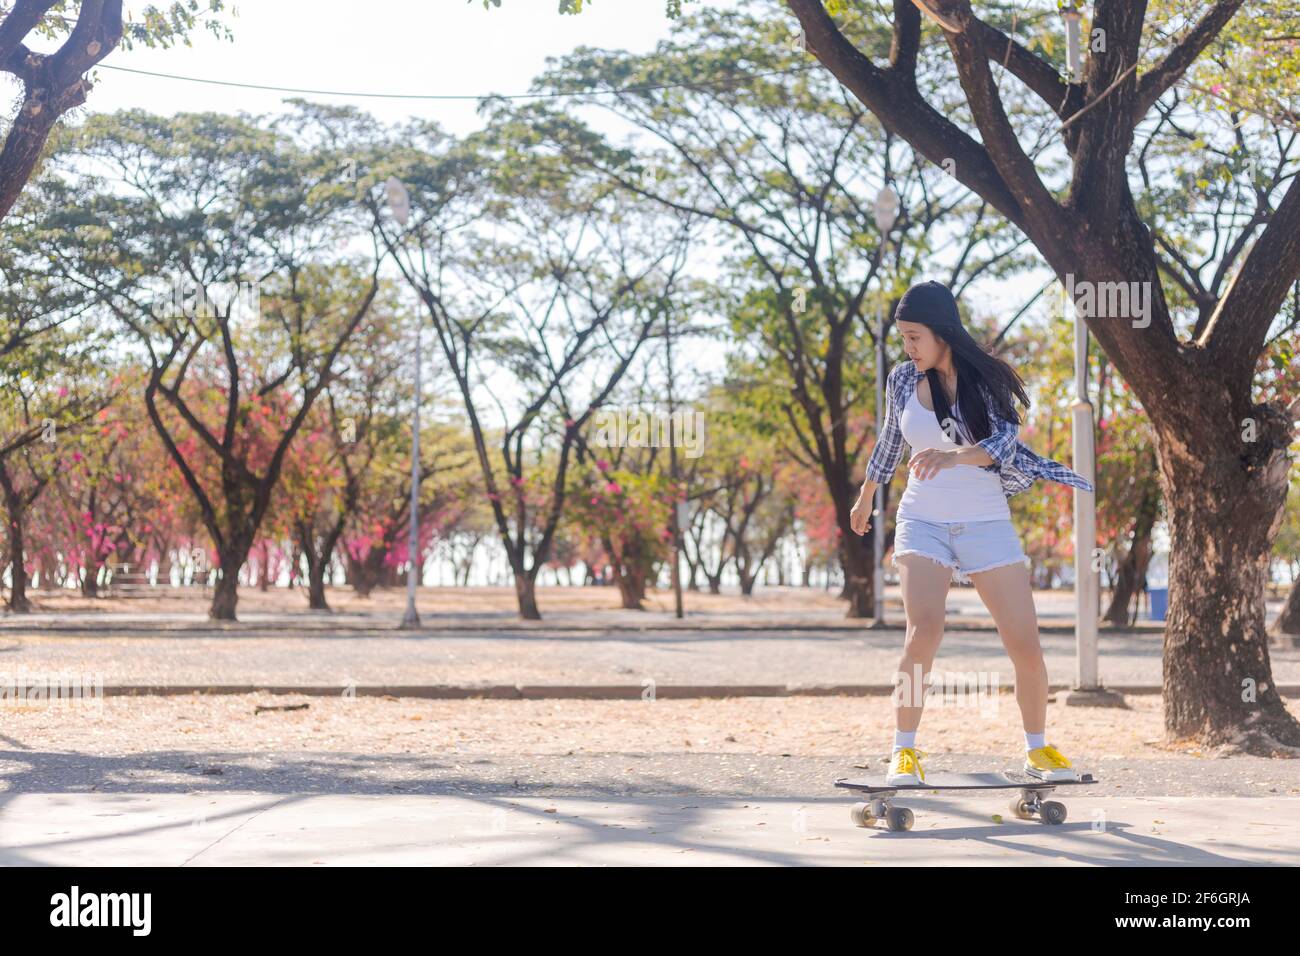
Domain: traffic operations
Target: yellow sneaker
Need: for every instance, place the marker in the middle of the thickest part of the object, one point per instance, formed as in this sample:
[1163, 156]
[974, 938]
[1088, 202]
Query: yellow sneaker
[1048, 763]
[905, 768]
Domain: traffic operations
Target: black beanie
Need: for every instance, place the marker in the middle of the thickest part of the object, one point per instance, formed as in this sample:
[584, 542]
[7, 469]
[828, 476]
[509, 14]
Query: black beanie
[928, 303]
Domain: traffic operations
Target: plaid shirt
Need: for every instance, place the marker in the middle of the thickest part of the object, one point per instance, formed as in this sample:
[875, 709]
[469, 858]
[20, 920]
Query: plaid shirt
[1016, 465]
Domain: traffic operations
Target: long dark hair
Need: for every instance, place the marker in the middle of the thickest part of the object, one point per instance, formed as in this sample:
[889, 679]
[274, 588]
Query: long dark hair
[981, 375]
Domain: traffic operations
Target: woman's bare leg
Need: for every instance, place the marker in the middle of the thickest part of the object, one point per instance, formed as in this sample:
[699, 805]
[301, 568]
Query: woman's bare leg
[925, 594]
[1007, 593]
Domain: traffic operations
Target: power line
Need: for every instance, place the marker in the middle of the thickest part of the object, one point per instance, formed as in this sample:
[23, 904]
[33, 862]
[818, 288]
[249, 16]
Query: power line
[435, 96]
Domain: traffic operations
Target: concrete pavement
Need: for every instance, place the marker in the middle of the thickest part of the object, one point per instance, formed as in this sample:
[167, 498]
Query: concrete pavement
[365, 830]
[332, 809]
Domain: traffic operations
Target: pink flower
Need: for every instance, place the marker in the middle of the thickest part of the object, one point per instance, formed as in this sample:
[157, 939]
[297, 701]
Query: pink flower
[613, 488]
[602, 464]
[63, 391]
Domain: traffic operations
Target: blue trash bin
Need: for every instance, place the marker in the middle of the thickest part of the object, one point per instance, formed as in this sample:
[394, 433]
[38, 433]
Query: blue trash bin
[1159, 603]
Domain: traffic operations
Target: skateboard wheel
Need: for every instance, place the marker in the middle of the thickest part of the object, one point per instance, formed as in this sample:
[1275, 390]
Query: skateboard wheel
[860, 814]
[1020, 809]
[899, 818]
[1053, 812]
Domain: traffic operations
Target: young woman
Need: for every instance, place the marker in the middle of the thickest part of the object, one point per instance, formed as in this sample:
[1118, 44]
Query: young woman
[952, 403]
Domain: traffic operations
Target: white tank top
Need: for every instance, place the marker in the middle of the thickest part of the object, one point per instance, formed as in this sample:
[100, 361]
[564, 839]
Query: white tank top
[959, 493]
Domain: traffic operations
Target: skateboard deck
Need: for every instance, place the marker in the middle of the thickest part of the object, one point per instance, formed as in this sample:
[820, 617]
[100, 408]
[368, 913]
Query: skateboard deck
[874, 783]
[1026, 805]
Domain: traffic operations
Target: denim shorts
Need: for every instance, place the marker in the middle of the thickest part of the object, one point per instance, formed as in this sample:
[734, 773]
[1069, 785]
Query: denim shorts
[965, 546]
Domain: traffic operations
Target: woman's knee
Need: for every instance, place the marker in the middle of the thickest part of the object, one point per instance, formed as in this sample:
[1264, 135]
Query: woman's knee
[923, 637]
[1027, 656]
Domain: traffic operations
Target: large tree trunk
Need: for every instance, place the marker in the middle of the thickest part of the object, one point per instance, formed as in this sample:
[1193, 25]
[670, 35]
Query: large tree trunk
[318, 563]
[49, 572]
[14, 507]
[165, 565]
[526, 592]
[856, 557]
[264, 567]
[316, 587]
[225, 596]
[1223, 514]
[316, 567]
[624, 577]
[368, 573]
[1288, 622]
[90, 578]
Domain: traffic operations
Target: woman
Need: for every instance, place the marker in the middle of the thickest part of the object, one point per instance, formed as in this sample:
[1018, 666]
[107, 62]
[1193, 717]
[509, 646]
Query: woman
[952, 403]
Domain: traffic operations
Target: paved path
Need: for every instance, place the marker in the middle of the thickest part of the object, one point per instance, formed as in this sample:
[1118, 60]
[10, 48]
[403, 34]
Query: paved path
[701, 809]
[452, 608]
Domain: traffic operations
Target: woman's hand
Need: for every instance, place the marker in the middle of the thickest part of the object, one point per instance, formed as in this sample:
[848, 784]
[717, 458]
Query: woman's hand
[928, 463]
[860, 516]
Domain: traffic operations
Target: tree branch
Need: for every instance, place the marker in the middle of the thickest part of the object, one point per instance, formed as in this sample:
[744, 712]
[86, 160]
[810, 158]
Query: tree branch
[1235, 334]
[1165, 74]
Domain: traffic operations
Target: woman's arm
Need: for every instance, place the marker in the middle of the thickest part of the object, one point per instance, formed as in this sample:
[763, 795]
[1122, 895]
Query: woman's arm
[972, 455]
[861, 512]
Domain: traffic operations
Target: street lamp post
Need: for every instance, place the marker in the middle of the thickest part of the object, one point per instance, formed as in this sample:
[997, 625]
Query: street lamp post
[1073, 48]
[1087, 689]
[886, 214]
[399, 203]
[675, 516]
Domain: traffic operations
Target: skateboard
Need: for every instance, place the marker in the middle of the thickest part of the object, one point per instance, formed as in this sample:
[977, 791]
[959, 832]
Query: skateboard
[1025, 805]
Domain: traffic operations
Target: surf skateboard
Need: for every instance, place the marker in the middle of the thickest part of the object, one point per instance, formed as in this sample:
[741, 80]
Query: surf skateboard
[1026, 805]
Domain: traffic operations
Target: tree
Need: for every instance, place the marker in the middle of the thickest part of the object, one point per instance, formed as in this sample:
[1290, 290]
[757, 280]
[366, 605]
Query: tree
[625, 514]
[550, 282]
[54, 83]
[1223, 453]
[50, 383]
[217, 243]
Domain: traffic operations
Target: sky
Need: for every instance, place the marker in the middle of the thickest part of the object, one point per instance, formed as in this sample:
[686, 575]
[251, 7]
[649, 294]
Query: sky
[424, 47]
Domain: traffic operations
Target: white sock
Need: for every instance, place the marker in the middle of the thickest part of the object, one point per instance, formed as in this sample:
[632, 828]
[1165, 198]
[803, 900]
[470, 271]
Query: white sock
[904, 738]
[1034, 741]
